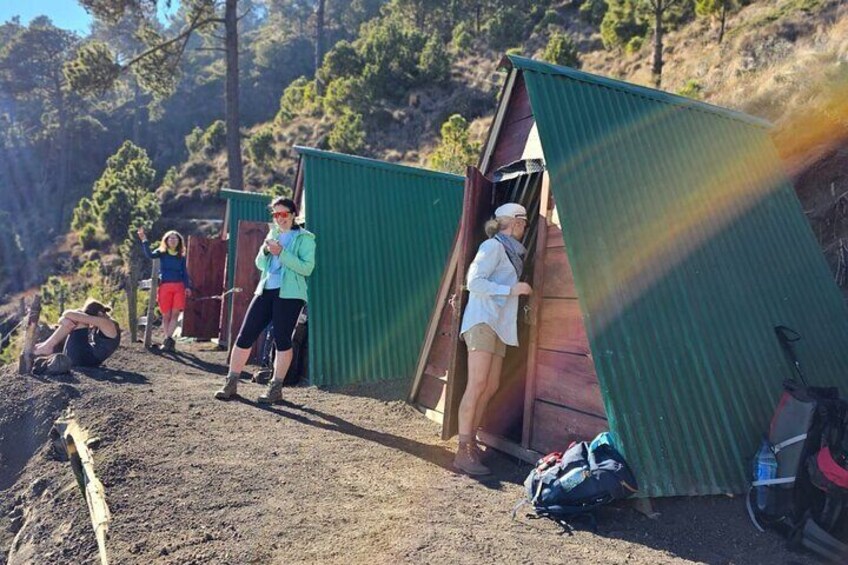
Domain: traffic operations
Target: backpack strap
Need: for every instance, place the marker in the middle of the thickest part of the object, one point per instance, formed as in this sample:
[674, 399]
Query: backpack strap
[769, 482]
[786, 443]
[751, 511]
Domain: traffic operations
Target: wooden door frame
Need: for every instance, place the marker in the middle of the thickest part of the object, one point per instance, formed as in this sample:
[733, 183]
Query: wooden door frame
[545, 208]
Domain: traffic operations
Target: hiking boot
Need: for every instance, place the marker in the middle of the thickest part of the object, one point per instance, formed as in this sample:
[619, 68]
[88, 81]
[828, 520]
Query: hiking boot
[273, 394]
[466, 460]
[230, 388]
[169, 344]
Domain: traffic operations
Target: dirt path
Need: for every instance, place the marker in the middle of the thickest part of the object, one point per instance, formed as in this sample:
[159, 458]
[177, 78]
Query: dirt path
[349, 477]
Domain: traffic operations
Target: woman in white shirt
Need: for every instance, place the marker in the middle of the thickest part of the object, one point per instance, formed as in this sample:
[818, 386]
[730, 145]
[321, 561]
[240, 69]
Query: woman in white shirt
[490, 323]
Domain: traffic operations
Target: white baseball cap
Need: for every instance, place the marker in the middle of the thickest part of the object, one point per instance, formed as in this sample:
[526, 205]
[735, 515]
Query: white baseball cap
[511, 210]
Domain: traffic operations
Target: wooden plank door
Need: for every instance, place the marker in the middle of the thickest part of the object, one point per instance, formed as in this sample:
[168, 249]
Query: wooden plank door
[562, 396]
[476, 210]
[250, 238]
[206, 260]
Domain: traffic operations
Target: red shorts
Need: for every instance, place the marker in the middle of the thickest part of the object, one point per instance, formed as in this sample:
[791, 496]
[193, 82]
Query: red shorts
[171, 296]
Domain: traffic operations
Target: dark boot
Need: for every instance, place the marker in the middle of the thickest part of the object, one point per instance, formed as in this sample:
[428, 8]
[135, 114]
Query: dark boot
[466, 460]
[169, 344]
[230, 388]
[273, 394]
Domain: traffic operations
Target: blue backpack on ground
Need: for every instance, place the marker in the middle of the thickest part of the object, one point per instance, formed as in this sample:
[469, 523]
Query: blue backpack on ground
[574, 483]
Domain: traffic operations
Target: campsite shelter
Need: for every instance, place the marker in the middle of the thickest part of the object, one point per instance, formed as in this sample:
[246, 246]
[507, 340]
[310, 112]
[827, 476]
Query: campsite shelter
[383, 232]
[666, 243]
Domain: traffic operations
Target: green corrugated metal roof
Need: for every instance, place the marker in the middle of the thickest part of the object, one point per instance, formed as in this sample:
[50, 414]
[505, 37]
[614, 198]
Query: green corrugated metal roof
[384, 234]
[688, 245]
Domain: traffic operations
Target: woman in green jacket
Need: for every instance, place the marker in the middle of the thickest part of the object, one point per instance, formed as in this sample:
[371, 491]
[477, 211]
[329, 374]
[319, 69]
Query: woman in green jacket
[286, 259]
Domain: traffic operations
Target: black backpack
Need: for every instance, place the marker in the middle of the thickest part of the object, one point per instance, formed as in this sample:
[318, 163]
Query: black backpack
[574, 483]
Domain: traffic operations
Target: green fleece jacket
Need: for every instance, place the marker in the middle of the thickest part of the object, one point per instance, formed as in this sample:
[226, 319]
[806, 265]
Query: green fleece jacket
[298, 261]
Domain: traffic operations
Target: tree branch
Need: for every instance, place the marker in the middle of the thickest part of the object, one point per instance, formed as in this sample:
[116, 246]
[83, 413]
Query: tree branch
[182, 36]
[209, 49]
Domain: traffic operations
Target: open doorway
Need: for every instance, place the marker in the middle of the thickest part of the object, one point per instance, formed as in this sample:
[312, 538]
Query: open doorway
[504, 417]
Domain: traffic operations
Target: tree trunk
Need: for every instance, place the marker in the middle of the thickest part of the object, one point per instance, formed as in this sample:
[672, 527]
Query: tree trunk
[234, 168]
[64, 162]
[319, 45]
[656, 69]
[723, 20]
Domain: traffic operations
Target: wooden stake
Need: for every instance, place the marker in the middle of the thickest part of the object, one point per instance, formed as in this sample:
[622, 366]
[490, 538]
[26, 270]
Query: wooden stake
[26, 359]
[154, 285]
[132, 302]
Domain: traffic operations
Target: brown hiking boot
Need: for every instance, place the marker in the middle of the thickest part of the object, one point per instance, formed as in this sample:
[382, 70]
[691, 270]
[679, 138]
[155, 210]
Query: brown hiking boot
[230, 388]
[273, 394]
[466, 460]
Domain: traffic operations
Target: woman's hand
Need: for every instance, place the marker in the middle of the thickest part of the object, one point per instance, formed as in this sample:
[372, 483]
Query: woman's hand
[141, 234]
[521, 288]
[274, 247]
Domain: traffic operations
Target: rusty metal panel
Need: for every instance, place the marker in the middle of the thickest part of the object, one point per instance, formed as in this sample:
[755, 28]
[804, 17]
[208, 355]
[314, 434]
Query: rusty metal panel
[206, 260]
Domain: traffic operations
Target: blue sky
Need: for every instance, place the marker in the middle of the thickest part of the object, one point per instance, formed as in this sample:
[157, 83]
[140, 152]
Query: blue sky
[67, 14]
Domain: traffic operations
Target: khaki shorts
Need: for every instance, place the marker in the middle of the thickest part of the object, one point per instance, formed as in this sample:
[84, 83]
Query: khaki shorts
[481, 337]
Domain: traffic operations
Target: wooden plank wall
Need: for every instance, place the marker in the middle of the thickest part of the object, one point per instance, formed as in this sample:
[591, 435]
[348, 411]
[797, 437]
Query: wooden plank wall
[568, 404]
[250, 238]
[431, 393]
[206, 259]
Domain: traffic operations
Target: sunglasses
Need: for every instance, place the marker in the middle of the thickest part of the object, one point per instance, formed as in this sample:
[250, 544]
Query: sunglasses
[284, 214]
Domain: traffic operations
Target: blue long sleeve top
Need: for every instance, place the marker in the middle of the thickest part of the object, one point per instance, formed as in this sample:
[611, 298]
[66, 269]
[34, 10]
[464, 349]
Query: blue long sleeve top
[172, 268]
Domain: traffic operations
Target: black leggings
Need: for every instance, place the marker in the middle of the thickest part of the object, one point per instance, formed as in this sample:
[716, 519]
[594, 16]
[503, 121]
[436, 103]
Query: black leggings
[267, 307]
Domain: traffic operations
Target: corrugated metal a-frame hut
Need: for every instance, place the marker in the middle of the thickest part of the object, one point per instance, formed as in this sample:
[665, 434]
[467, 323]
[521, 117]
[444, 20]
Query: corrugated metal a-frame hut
[384, 233]
[666, 245]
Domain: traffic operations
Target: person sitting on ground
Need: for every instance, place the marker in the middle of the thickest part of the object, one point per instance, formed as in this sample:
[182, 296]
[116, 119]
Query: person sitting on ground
[490, 323]
[174, 282]
[92, 335]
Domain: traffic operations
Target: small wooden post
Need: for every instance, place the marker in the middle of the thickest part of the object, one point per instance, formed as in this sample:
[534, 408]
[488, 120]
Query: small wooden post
[26, 359]
[21, 309]
[132, 302]
[151, 303]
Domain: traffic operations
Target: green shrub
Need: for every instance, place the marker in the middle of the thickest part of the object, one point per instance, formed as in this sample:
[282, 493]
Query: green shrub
[434, 63]
[692, 89]
[215, 137]
[461, 37]
[88, 236]
[634, 45]
[194, 141]
[455, 150]
[260, 146]
[593, 11]
[505, 27]
[561, 50]
[340, 61]
[84, 214]
[299, 99]
[346, 93]
[621, 23]
[348, 133]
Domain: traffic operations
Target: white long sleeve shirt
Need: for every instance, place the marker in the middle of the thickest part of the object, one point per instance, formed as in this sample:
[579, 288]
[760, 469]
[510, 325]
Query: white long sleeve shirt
[490, 278]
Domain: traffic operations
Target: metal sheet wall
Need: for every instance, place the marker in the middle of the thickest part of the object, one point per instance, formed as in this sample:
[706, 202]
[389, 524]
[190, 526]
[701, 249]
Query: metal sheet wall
[384, 233]
[688, 246]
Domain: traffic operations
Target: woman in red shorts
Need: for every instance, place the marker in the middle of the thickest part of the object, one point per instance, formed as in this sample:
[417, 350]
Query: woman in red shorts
[174, 284]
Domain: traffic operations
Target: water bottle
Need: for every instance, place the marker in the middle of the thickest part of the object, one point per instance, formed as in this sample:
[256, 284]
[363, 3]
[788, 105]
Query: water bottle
[765, 468]
[572, 478]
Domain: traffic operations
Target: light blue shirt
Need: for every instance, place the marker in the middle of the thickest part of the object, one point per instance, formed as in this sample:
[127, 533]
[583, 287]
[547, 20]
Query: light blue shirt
[275, 269]
[490, 278]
